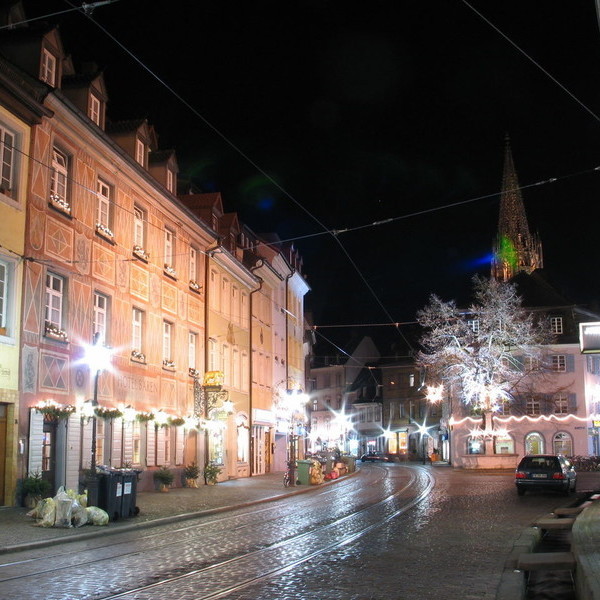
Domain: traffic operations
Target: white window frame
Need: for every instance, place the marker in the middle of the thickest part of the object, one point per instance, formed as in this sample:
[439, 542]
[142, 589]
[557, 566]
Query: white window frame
[193, 264]
[192, 349]
[48, 67]
[139, 237]
[7, 298]
[226, 297]
[474, 325]
[137, 329]
[95, 109]
[532, 406]
[8, 139]
[212, 355]
[561, 404]
[101, 304]
[556, 325]
[59, 179]
[55, 290]
[559, 363]
[170, 181]
[167, 340]
[140, 152]
[169, 247]
[104, 196]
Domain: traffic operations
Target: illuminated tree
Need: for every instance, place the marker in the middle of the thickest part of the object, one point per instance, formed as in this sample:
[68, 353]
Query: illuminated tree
[486, 351]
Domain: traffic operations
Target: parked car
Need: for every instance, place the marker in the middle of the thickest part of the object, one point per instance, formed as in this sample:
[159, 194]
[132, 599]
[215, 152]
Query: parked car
[375, 457]
[545, 471]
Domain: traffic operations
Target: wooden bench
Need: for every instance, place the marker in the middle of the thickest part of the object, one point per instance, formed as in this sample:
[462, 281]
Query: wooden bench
[547, 523]
[566, 511]
[546, 561]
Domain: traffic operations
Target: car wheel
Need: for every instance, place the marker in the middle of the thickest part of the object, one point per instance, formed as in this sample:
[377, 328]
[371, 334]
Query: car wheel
[520, 491]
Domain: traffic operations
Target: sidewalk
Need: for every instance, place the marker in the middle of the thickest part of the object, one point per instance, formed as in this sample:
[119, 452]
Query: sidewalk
[18, 532]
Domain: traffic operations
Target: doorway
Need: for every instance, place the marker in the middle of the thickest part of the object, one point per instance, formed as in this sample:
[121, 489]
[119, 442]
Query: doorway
[3, 416]
[49, 452]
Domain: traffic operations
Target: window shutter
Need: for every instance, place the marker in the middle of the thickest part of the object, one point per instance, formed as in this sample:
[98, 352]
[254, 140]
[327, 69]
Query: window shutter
[570, 360]
[572, 403]
[520, 362]
[36, 435]
[150, 445]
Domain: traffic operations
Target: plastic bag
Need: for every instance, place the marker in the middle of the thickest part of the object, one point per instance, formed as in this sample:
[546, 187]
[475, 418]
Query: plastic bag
[97, 516]
[64, 508]
[47, 513]
[79, 515]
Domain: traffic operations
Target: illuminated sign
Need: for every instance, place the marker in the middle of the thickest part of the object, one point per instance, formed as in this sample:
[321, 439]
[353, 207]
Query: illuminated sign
[589, 338]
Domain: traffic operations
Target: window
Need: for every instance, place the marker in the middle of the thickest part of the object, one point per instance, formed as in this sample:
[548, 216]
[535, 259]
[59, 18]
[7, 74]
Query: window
[169, 251]
[8, 158]
[170, 181]
[48, 67]
[137, 324]
[140, 152]
[104, 195]
[226, 364]
[474, 325]
[556, 325]
[59, 180]
[563, 444]
[559, 363]
[235, 304]
[532, 406]
[193, 265]
[139, 233]
[534, 443]
[561, 404]
[225, 297]
[100, 315]
[95, 109]
[192, 348]
[212, 355]
[167, 338]
[532, 364]
[7, 300]
[54, 300]
[236, 370]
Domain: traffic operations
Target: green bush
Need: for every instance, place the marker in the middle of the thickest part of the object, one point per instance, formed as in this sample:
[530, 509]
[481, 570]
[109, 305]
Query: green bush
[34, 485]
[164, 475]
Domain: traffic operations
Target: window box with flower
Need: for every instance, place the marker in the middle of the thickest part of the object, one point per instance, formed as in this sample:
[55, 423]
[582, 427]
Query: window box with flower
[168, 364]
[60, 204]
[55, 332]
[140, 253]
[103, 231]
[108, 413]
[139, 357]
[195, 286]
[53, 411]
[170, 271]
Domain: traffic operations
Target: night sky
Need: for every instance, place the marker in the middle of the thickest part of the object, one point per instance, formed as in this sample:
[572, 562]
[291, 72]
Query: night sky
[321, 115]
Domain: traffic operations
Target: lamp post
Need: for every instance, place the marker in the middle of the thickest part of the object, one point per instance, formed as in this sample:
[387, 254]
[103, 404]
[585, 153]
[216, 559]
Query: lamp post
[97, 357]
[292, 408]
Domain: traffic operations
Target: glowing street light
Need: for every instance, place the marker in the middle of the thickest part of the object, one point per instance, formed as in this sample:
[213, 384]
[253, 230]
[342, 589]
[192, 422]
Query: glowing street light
[98, 358]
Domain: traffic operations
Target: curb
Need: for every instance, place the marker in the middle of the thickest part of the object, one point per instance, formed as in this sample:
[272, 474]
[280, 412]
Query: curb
[107, 530]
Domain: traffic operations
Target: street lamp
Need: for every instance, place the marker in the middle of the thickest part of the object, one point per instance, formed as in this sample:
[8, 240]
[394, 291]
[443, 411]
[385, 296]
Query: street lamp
[97, 357]
[291, 408]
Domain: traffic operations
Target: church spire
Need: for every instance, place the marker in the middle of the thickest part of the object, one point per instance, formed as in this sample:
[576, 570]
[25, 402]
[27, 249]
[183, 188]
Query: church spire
[516, 249]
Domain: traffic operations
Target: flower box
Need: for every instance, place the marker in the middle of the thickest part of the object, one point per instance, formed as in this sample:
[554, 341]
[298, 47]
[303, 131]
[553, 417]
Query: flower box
[169, 365]
[170, 271]
[138, 356]
[195, 286]
[60, 204]
[54, 332]
[140, 253]
[105, 232]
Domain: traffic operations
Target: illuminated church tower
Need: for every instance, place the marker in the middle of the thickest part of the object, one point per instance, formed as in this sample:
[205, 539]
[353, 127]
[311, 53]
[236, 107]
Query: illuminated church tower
[516, 249]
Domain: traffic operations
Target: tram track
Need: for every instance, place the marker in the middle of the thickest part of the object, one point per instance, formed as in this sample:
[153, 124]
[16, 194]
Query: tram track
[259, 562]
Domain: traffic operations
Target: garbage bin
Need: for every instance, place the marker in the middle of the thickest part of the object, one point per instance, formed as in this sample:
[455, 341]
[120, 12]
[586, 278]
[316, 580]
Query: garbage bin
[350, 462]
[128, 498]
[304, 471]
[110, 492]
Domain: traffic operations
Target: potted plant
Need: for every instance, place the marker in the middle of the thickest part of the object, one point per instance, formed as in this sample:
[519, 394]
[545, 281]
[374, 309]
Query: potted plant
[190, 474]
[164, 478]
[211, 473]
[35, 488]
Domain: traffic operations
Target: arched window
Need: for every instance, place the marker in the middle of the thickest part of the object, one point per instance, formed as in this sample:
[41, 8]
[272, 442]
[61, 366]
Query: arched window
[562, 443]
[534, 443]
[504, 444]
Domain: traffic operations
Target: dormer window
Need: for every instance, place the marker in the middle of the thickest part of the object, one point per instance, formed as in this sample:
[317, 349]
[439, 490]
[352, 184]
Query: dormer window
[48, 67]
[170, 181]
[95, 109]
[140, 152]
